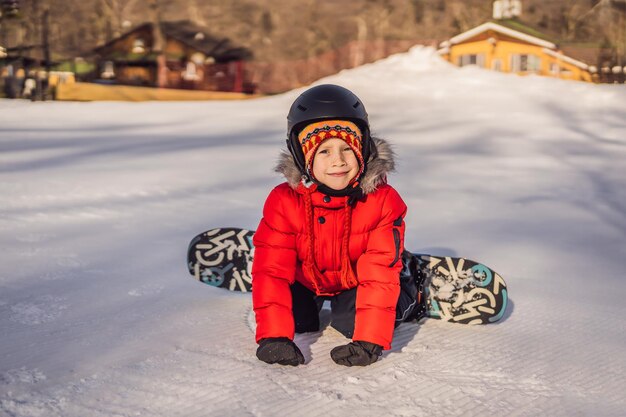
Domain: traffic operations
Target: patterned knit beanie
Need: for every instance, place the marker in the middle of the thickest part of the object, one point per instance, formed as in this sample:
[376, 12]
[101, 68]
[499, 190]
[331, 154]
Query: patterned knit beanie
[312, 136]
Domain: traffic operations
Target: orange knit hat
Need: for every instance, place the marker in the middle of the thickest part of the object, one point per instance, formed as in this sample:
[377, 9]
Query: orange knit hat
[312, 136]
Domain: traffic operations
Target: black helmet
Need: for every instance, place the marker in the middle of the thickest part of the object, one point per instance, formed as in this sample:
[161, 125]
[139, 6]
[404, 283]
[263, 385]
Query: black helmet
[326, 101]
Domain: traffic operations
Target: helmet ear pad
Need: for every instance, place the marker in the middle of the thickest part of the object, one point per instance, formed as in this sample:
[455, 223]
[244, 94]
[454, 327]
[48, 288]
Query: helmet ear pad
[293, 145]
[369, 148]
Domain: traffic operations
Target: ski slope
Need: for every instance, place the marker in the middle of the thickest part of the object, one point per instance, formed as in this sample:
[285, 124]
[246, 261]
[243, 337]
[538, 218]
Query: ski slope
[99, 317]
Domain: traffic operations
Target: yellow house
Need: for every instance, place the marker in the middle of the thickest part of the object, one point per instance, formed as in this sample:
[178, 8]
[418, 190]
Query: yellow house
[509, 46]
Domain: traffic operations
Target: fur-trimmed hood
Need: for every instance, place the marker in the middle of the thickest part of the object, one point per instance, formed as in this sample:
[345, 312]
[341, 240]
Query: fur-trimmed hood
[379, 165]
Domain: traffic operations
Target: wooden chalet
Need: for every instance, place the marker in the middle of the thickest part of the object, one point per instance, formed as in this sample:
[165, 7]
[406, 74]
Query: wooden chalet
[178, 55]
[506, 44]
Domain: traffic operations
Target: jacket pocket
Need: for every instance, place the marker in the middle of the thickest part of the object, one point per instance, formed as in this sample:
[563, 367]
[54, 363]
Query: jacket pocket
[396, 241]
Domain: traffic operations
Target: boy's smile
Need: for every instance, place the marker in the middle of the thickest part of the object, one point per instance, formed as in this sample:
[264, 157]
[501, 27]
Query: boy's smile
[335, 164]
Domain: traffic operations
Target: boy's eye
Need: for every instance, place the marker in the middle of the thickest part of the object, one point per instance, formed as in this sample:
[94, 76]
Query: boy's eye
[323, 151]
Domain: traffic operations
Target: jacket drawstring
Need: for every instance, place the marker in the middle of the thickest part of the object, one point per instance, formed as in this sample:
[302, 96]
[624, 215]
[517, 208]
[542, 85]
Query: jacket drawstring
[310, 268]
[348, 277]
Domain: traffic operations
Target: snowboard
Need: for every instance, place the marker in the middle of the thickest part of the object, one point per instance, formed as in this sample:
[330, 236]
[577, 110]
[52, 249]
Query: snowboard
[454, 289]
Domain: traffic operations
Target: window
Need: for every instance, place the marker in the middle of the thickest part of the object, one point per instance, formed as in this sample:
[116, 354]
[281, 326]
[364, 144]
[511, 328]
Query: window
[190, 73]
[108, 71]
[138, 46]
[197, 58]
[525, 63]
[471, 59]
[496, 65]
[554, 69]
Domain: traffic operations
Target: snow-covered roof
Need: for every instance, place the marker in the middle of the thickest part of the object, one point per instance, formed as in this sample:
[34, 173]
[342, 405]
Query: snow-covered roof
[500, 29]
[565, 58]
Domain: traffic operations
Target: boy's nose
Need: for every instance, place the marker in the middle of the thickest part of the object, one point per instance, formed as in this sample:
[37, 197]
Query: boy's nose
[339, 160]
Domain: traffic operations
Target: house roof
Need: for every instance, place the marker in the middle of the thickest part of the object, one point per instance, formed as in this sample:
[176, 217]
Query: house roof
[28, 55]
[581, 51]
[222, 49]
[25, 61]
[575, 54]
[589, 53]
[194, 36]
[565, 58]
[500, 28]
[518, 25]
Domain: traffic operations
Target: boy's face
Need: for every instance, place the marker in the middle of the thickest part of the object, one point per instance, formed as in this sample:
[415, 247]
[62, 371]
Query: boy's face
[334, 164]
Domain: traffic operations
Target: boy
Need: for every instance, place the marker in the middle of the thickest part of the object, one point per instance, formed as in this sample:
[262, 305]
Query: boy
[334, 231]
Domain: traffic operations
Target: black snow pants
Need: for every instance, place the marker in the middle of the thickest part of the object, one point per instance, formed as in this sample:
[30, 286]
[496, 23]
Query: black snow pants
[306, 305]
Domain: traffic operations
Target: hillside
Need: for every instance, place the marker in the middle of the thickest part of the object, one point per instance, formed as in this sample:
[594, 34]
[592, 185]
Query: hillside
[295, 29]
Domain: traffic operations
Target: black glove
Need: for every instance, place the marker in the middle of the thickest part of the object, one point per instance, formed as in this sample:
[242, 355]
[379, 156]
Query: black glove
[279, 350]
[356, 353]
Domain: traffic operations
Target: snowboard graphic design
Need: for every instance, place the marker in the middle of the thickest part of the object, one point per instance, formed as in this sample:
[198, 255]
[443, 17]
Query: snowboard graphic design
[461, 290]
[222, 258]
[458, 290]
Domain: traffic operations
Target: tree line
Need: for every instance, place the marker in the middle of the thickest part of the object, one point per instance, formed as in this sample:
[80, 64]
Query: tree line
[298, 29]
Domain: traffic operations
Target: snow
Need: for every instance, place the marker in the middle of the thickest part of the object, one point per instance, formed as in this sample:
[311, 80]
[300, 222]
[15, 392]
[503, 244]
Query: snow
[99, 317]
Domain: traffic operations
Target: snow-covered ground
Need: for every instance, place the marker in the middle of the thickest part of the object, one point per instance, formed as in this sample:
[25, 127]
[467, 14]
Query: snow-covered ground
[99, 317]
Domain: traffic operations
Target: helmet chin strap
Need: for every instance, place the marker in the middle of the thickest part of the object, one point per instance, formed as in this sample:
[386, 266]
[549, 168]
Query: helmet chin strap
[352, 191]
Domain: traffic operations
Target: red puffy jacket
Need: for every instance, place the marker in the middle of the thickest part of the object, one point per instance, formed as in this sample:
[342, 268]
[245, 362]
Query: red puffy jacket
[329, 247]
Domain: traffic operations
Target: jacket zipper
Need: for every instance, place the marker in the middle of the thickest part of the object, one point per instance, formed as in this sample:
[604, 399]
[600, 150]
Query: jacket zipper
[396, 240]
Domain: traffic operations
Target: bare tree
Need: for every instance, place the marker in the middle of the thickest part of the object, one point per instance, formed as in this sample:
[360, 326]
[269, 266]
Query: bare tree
[465, 15]
[372, 23]
[359, 53]
[195, 14]
[118, 10]
[574, 17]
[613, 17]
[296, 29]
[610, 20]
